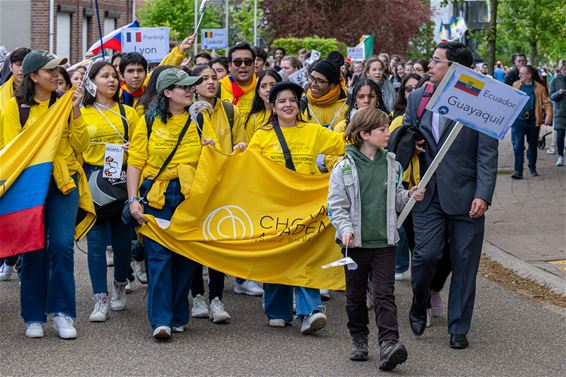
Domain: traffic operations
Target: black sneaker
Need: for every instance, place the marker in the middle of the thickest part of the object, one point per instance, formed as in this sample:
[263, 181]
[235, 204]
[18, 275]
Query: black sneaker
[391, 354]
[517, 175]
[533, 173]
[359, 348]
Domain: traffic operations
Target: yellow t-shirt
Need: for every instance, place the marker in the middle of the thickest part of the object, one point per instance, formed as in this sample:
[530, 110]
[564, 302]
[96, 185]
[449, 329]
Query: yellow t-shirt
[228, 136]
[305, 140]
[256, 121]
[102, 133]
[244, 102]
[1, 129]
[149, 155]
[6, 92]
[327, 115]
[73, 141]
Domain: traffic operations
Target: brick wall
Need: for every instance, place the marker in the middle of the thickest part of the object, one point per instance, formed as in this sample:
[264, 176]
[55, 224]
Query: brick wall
[40, 22]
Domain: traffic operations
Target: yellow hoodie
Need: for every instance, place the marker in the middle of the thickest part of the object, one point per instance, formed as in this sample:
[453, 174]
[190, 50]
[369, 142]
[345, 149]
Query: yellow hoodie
[227, 136]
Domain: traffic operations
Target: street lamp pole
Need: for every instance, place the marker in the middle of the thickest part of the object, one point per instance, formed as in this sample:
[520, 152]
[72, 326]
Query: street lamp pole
[255, 23]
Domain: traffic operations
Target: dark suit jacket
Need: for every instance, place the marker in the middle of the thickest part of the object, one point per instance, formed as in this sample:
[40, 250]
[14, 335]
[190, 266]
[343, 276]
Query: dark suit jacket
[468, 170]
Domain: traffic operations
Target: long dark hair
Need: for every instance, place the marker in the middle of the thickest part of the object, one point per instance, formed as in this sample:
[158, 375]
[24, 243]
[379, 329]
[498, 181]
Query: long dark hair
[352, 100]
[151, 92]
[96, 67]
[257, 104]
[400, 104]
[63, 72]
[26, 92]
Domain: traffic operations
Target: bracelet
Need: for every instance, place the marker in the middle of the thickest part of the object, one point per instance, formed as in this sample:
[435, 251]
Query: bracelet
[134, 199]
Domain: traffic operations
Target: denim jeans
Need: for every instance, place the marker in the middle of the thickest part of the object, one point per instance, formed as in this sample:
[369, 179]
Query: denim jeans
[278, 301]
[120, 235]
[169, 274]
[403, 252]
[560, 134]
[215, 283]
[48, 281]
[520, 129]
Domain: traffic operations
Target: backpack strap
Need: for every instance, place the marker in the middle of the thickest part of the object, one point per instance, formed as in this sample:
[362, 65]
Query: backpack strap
[24, 108]
[124, 122]
[429, 89]
[149, 124]
[229, 110]
[284, 147]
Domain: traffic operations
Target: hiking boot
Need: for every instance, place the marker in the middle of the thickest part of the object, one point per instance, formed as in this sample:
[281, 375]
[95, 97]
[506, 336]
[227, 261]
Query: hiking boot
[359, 348]
[391, 353]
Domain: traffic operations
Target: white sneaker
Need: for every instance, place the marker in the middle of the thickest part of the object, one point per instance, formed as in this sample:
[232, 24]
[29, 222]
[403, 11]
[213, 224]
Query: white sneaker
[100, 311]
[139, 271]
[277, 322]
[64, 326]
[118, 299]
[162, 333]
[313, 323]
[129, 288]
[217, 312]
[200, 309]
[34, 330]
[178, 329]
[550, 150]
[402, 276]
[109, 256]
[6, 271]
[248, 287]
[559, 162]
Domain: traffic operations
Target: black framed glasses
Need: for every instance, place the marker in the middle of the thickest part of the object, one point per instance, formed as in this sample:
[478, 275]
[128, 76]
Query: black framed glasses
[238, 62]
[186, 88]
[435, 61]
[317, 80]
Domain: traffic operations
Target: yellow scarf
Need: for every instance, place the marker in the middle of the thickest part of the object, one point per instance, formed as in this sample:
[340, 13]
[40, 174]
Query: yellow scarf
[236, 90]
[326, 100]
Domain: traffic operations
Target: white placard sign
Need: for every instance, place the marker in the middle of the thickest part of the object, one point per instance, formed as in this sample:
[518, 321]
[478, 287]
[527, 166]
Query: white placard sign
[113, 159]
[355, 53]
[213, 39]
[315, 55]
[477, 101]
[301, 77]
[151, 42]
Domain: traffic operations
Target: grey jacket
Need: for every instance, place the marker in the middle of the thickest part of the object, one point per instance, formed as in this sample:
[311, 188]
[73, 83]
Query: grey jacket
[559, 102]
[344, 207]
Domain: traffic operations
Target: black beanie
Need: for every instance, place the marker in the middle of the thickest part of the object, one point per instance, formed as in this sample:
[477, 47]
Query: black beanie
[330, 67]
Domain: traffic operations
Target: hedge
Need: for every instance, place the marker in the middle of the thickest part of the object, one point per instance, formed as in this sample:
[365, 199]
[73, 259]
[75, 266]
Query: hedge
[324, 45]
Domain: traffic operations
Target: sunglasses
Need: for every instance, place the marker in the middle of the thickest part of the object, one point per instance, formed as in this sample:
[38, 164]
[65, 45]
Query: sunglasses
[246, 62]
[186, 88]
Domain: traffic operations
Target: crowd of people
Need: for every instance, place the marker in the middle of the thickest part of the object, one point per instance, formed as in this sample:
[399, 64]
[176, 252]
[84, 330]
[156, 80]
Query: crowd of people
[340, 123]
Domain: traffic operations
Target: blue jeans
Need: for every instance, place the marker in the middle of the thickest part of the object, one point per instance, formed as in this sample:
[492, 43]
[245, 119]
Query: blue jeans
[97, 237]
[48, 281]
[520, 129]
[403, 252]
[560, 142]
[278, 300]
[169, 274]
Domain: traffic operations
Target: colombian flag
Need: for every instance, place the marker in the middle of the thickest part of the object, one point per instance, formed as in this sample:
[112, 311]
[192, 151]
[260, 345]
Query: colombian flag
[469, 85]
[25, 170]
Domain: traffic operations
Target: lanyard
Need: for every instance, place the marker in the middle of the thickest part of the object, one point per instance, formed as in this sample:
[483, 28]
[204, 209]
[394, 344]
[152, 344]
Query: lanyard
[97, 106]
[333, 119]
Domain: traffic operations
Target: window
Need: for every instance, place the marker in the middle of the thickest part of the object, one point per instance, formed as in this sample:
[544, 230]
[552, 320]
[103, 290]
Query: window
[109, 25]
[85, 35]
[63, 45]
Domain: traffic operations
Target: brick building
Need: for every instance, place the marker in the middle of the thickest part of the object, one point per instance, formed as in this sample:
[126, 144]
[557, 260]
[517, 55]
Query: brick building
[75, 25]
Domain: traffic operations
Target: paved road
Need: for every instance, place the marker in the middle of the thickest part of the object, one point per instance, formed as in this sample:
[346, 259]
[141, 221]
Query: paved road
[510, 336]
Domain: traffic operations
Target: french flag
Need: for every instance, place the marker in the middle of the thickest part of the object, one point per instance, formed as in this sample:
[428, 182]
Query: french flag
[112, 40]
[25, 171]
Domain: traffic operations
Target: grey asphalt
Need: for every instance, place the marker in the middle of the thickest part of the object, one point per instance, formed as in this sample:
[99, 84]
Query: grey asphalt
[510, 336]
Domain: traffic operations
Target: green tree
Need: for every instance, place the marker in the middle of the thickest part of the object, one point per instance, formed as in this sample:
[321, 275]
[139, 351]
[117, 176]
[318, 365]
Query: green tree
[178, 15]
[421, 46]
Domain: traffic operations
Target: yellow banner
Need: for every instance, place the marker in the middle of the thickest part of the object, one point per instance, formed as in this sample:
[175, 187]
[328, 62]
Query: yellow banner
[252, 218]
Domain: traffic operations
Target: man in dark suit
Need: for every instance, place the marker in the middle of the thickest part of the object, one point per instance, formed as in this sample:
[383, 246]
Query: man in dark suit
[456, 197]
[519, 60]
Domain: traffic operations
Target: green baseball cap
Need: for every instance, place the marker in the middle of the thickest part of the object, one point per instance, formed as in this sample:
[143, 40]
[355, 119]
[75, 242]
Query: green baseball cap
[175, 76]
[39, 59]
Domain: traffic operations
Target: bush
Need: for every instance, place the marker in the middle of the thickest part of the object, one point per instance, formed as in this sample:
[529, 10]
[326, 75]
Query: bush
[324, 45]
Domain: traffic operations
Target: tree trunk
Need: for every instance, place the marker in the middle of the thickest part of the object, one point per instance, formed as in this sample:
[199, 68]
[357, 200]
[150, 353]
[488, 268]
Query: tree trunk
[492, 36]
[533, 59]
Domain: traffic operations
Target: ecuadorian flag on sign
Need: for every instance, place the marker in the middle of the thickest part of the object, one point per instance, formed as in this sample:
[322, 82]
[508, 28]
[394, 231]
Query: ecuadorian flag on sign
[469, 85]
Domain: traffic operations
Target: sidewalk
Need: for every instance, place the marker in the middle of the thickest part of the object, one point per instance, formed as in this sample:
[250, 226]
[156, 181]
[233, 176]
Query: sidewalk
[526, 224]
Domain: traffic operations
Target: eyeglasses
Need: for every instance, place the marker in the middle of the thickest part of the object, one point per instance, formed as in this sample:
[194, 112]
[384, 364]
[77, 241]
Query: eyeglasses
[186, 88]
[435, 61]
[317, 80]
[246, 62]
[409, 89]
